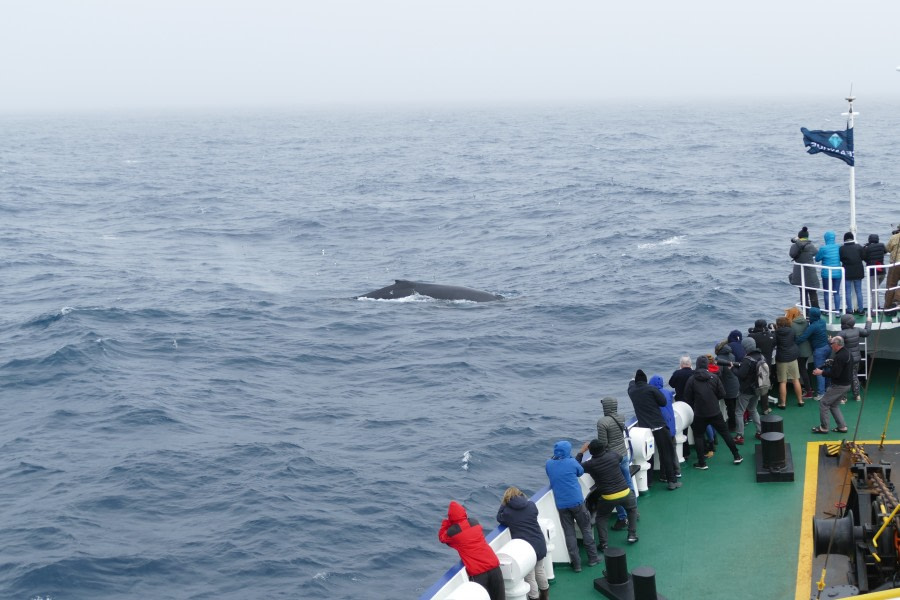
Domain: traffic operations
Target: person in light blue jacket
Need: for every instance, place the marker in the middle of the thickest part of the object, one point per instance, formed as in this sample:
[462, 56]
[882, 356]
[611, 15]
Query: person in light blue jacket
[830, 256]
[563, 472]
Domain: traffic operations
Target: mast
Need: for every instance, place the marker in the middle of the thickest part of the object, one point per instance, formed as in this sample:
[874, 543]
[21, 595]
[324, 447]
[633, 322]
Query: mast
[850, 114]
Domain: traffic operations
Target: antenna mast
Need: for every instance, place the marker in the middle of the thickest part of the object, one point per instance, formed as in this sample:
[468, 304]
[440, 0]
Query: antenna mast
[850, 114]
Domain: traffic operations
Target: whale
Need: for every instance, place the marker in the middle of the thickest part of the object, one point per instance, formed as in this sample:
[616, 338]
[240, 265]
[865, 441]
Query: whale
[401, 288]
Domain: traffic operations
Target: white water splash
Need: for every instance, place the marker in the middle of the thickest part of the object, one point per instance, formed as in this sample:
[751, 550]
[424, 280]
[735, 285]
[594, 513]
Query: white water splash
[467, 456]
[675, 239]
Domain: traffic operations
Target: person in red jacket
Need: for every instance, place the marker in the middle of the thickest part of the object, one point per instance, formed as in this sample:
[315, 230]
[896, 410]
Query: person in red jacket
[466, 536]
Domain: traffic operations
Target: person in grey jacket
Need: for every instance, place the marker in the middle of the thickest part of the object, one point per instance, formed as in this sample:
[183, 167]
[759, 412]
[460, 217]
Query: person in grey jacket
[611, 434]
[803, 252]
[851, 334]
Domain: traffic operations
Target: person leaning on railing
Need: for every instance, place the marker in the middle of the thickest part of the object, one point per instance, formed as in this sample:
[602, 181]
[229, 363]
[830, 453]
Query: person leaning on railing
[873, 254]
[804, 252]
[830, 256]
[893, 276]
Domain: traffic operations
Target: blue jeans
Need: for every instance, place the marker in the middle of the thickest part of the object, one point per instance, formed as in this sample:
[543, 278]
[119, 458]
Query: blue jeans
[849, 286]
[820, 355]
[832, 285]
[624, 464]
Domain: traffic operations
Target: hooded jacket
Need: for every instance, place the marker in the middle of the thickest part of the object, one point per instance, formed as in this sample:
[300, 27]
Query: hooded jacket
[734, 340]
[764, 338]
[520, 515]
[786, 348]
[851, 334]
[804, 252]
[703, 392]
[893, 246]
[668, 413]
[830, 256]
[798, 326]
[746, 373]
[724, 358]
[466, 536]
[563, 472]
[816, 332]
[851, 255]
[646, 401]
[611, 426]
[874, 251]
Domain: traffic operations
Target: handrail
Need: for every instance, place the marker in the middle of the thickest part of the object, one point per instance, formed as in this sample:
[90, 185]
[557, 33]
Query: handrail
[839, 310]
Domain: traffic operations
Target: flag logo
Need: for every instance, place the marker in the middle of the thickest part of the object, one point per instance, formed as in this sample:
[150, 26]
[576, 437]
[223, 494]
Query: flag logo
[838, 144]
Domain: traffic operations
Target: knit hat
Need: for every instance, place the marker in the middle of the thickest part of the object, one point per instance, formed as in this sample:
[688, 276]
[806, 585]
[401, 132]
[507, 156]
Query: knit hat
[848, 236]
[702, 362]
[873, 238]
[760, 324]
[803, 233]
[749, 344]
[596, 447]
[640, 377]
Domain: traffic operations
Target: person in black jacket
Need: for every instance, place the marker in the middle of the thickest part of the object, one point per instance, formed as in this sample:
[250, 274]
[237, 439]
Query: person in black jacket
[786, 354]
[852, 260]
[765, 343]
[680, 376]
[520, 515]
[646, 400]
[610, 490]
[873, 255]
[839, 372]
[703, 392]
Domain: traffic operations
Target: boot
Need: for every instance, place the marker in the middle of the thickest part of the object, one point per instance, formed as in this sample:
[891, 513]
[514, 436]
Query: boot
[544, 594]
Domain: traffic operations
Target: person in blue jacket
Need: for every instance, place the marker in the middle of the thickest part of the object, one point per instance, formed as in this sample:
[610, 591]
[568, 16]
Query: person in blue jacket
[818, 339]
[668, 414]
[830, 256]
[563, 472]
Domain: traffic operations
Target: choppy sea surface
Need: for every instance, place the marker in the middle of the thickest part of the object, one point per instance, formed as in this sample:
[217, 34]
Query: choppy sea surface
[194, 404]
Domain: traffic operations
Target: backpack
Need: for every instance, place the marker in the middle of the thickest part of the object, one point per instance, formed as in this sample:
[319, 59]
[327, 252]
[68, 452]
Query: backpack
[760, 378]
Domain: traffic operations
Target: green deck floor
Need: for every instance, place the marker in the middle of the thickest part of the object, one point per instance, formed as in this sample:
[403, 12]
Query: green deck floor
[722, 535]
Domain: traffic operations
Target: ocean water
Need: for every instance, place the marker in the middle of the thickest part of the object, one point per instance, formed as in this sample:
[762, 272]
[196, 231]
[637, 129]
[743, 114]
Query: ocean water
[194, 404]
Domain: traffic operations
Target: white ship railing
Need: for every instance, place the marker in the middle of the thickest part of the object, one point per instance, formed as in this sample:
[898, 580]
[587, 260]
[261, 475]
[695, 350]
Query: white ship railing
[874, 291]
[832, 310]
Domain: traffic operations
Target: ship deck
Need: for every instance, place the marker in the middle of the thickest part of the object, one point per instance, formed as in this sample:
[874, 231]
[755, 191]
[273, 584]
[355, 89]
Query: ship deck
[722, 534]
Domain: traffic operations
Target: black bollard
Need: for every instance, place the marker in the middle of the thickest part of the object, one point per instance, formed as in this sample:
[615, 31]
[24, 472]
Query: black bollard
[644, 579]
[773, 455]
[616, 565]
[772, 423]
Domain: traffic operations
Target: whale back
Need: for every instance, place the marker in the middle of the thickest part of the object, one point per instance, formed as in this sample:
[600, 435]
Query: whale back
[401, 288]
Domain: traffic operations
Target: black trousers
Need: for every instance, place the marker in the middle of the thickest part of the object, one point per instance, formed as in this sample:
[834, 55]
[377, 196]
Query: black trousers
[492, 581]
[666, 451]
[718, 423]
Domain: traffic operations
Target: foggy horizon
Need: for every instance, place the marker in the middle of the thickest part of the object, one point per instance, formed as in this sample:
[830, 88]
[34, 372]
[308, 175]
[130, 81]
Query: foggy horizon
[99, 55]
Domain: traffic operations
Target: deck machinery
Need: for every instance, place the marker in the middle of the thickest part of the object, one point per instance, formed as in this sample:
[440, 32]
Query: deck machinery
[857, 549]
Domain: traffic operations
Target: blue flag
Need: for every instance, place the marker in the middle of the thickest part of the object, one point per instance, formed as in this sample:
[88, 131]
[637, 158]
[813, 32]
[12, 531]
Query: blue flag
[838, 144]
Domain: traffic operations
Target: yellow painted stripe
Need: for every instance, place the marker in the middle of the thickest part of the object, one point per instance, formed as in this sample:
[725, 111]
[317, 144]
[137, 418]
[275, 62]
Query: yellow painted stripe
[805, 553]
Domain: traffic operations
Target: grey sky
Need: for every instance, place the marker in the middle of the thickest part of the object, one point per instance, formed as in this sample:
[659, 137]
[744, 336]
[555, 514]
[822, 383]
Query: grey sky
[98, 54]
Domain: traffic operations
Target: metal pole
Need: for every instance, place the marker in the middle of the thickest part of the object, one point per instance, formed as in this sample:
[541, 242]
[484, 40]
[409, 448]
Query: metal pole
[850, 114]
